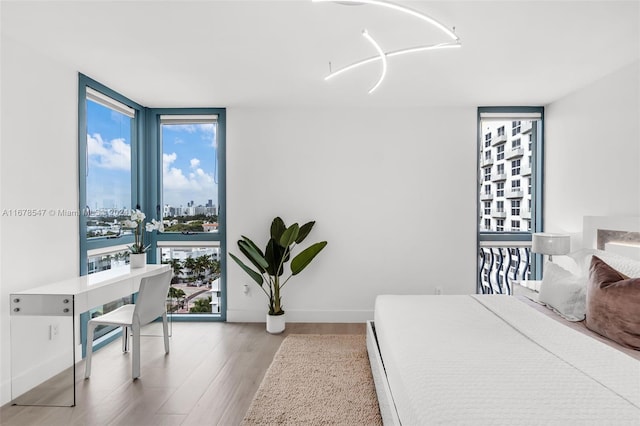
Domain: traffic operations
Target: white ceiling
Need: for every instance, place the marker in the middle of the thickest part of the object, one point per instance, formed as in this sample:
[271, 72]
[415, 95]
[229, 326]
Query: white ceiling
[276, 53]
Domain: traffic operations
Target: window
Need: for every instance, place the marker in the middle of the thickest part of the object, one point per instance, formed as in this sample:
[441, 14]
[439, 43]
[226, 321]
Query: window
[487, 189]
[487, 208]
[170, 164]
[515, 168]
[189, 173]
[515, 208]
[515, 127]
[487, 174]
[526, 126]
[487, 224]
[107, 145]
[108, 170]
[487, 155]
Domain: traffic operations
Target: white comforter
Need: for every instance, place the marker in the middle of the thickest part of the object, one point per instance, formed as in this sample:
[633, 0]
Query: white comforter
[492, 360]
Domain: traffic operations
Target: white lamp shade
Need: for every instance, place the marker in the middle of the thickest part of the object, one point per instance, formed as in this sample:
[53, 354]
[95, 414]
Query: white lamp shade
[550, 244]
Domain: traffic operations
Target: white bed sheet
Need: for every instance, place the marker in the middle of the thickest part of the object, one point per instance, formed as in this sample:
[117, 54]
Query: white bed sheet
[493, 360]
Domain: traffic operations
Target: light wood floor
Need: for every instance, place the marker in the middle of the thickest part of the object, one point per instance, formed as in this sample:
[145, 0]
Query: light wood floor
[209, 378]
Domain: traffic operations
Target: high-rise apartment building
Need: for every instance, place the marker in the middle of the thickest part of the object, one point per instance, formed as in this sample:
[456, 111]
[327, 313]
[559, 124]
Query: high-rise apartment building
[505, 176]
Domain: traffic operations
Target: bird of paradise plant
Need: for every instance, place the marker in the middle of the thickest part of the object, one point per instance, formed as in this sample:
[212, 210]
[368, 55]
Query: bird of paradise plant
[270, 264]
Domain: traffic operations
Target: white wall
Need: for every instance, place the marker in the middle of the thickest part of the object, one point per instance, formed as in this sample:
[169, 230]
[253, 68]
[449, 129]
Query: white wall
[592, 153]
[393, 191]
[38, 171]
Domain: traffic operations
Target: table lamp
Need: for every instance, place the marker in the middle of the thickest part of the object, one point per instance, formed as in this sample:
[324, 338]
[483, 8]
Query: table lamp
[550, 244]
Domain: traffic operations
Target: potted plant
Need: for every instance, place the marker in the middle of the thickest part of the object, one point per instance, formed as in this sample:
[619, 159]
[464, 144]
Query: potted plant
[270, 264]
[138, 256]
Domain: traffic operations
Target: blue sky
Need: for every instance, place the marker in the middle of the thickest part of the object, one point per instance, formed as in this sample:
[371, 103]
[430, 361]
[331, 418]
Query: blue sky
[188, 161]
[188, 164]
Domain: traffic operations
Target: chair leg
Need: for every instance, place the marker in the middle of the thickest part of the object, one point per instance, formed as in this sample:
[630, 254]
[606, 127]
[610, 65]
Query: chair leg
[135, 352]
[165, 330]
[87, 362]
[125, 338]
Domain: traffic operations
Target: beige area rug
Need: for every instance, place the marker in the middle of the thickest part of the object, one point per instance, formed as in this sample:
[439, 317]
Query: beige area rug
[317, 380]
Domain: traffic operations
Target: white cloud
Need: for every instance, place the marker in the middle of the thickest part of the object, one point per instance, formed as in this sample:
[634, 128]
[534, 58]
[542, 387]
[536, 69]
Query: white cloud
[180, 188]
[114, 154]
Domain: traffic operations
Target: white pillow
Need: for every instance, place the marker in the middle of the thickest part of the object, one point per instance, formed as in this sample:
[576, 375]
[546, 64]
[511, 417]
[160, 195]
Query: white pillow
[625, 265]
[563, 292]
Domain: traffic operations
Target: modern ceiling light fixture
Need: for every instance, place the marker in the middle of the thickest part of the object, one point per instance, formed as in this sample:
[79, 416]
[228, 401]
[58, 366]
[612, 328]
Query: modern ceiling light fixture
[382, 56]
[399, 8]
[455, 43]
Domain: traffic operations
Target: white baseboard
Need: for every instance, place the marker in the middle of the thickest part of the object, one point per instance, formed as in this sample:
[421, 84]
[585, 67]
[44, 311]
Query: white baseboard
[351, 316]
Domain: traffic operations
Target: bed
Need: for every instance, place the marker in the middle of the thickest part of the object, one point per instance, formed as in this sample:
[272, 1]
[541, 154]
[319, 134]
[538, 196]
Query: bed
[496, 359]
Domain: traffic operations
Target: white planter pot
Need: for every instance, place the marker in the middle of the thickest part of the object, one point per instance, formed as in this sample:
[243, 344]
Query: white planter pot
[138, 260]
[275, 323]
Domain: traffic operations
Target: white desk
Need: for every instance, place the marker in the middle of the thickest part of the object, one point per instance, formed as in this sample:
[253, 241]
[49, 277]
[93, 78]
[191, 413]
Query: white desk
[45, 330]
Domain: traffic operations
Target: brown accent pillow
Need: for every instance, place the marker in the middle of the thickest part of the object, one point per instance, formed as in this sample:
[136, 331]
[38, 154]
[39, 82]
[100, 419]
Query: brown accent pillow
[613, 304]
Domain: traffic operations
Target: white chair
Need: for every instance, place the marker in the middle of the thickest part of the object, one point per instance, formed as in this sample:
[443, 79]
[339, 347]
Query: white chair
[150, 304]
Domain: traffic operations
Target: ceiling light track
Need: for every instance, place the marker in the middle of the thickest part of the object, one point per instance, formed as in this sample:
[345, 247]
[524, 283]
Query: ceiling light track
[398, 52]
[383, 56]
[400, 8]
